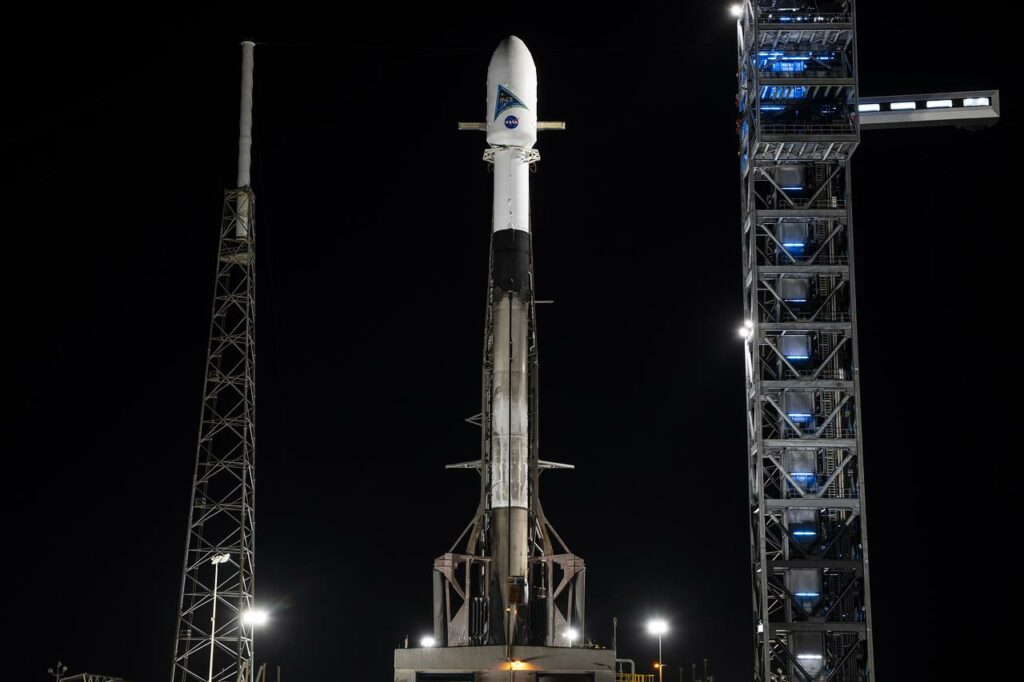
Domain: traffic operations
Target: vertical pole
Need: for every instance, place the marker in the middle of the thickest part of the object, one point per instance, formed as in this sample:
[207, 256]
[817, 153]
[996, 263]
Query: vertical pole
[245, 139]
[245, 116]
[661, 666]
[213, 615]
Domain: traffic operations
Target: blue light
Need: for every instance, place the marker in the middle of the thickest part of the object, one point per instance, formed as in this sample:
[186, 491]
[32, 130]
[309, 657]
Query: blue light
[807, 594]
[803, 474]
[798, 357]
[792, 189]
[800, 416]
[796, 300]
[783, 91]
[805, 532]
[793, 245]
[772, 107]
[789, 66]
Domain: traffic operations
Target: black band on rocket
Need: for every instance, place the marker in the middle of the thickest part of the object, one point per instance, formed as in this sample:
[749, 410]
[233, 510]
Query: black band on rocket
[511, 259]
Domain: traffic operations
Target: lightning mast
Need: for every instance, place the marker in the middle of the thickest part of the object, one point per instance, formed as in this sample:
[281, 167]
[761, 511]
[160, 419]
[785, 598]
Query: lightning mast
[214, 634]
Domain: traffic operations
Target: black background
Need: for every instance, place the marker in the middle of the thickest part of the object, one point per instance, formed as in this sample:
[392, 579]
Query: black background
[118, 137]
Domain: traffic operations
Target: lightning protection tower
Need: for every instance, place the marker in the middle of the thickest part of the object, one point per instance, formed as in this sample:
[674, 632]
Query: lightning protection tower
[214, 634]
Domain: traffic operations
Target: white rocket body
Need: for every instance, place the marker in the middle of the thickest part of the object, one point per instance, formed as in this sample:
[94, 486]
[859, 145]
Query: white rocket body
[511, 132]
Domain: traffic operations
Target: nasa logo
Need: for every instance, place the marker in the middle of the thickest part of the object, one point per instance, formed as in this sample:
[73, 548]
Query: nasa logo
[511, 121]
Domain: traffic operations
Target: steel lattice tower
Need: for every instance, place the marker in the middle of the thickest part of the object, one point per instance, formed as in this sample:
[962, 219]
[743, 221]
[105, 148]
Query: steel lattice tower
[214, 634]
[798, 129]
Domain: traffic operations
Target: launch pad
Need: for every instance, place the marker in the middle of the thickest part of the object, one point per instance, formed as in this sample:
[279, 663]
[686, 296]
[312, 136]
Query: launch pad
[492, 664]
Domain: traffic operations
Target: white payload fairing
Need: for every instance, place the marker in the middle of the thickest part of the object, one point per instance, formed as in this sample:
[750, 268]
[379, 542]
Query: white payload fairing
[515, 587]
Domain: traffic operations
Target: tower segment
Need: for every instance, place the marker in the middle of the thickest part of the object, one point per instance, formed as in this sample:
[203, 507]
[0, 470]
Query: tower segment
[798, 127]
[214, 633]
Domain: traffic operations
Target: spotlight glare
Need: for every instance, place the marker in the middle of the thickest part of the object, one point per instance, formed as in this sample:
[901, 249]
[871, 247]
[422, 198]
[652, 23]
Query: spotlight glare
[255, 617]
[657, 626]
[427, 642]
[736, 10]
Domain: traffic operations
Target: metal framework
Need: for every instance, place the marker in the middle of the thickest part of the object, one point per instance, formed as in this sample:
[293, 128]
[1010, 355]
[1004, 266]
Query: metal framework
[213, 642]
[799, 126]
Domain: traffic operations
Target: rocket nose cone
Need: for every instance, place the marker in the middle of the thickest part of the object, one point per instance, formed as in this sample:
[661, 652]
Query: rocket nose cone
[512, 52]
[512, 95]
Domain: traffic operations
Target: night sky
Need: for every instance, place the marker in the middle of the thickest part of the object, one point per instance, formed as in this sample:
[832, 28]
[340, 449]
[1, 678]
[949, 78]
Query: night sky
[373, 214]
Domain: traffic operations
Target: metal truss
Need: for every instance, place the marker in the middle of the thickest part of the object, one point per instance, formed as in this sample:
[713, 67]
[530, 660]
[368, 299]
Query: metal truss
[213, 643]
[798, 126]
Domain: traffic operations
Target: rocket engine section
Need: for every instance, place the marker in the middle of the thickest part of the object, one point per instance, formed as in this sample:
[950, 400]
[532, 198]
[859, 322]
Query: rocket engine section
[511, 586]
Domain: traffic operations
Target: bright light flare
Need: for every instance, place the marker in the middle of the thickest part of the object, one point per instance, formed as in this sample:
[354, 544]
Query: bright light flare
[427, 642]
[255, 617]
[736, 10]
[657, 626]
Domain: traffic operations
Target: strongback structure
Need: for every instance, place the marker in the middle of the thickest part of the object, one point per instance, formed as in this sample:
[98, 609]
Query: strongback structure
[214, 635]
[799, 123]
